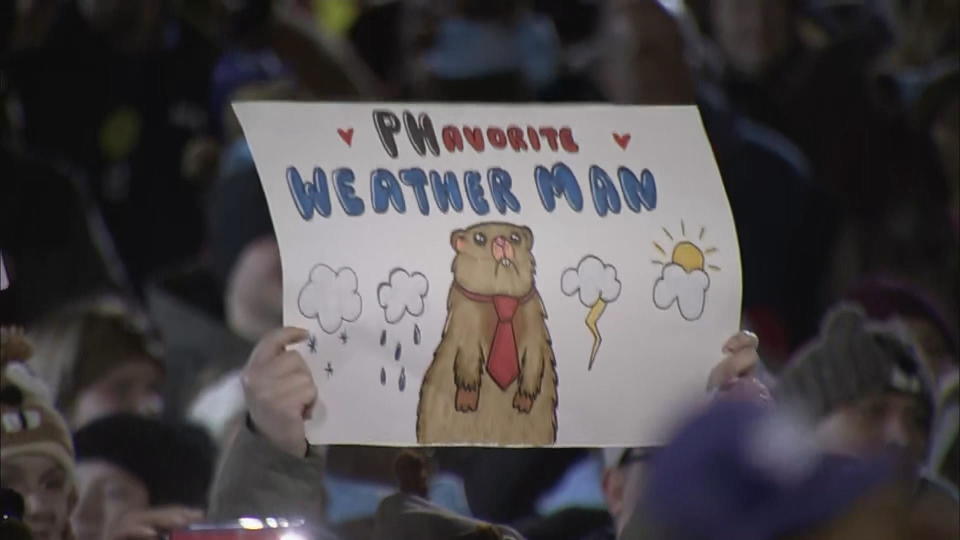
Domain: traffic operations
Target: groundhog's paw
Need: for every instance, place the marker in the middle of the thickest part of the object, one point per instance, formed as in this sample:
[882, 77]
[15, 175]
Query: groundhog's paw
[467, 400]
[522, 402]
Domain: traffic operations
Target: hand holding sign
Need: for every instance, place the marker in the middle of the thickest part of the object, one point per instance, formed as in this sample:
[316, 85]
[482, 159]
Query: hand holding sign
[280, 392]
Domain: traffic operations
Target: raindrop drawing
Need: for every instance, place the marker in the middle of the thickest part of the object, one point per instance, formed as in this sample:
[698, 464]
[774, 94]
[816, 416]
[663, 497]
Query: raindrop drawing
[329, 370]
[396, 353]
[402, 383]
[383, 338]
[312, 344]
[416, 334]
[343, 338]
[383, 377]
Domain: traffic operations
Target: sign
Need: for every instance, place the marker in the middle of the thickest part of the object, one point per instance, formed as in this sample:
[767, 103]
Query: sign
[498, 275]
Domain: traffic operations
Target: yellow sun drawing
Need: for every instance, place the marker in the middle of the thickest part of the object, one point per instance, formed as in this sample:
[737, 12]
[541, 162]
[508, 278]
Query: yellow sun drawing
[685, 253]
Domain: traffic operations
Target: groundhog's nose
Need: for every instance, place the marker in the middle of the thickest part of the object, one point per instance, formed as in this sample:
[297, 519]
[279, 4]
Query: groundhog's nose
[502, 249]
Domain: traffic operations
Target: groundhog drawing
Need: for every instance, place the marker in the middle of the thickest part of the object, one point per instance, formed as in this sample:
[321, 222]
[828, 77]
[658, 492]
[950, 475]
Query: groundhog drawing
[493, 378]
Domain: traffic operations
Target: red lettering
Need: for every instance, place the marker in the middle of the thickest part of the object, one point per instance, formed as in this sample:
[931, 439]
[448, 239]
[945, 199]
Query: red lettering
[497, 138]
[566, 140]
[515, 135]
[474, 137]
[534, 138]
[452, 140]
[551, 135]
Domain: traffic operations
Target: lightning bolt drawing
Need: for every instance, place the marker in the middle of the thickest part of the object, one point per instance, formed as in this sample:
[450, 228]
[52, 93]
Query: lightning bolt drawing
[597, 285]
[592, 317]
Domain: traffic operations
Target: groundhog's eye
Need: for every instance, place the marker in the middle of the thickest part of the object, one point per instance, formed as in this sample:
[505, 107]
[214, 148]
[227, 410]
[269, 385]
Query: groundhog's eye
[515, 238]
[480, 238]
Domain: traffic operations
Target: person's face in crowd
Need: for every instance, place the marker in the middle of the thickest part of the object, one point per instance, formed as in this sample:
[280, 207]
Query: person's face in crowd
[880, 423]
[622, 487]
[105, 494]
[132, 387]
[45, 487]
[751, 34]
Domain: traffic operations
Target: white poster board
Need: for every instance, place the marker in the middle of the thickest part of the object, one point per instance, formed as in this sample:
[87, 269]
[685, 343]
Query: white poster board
[498, 274]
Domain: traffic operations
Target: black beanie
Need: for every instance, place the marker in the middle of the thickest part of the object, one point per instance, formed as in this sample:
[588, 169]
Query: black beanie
[175, 461]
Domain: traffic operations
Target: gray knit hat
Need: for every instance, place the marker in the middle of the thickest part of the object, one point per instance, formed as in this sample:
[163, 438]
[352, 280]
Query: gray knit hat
[851, 359]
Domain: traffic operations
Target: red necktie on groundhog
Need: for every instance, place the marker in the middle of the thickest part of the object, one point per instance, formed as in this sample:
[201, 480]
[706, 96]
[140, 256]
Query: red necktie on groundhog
[503, 363]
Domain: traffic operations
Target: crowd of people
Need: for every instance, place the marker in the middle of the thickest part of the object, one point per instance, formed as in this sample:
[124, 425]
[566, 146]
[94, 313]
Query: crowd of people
[147, 386]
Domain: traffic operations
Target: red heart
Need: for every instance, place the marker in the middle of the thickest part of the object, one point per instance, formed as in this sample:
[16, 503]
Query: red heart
[346, 135]
[623, 139]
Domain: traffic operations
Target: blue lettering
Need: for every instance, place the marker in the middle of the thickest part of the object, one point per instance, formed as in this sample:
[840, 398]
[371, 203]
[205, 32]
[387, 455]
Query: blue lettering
[309, 196]
[417, 179]
[558, 182]
[638, 194]
[446, 191]
[343, 179]
[471, 182]
[384, 191]
[500, 184]
[605, 196]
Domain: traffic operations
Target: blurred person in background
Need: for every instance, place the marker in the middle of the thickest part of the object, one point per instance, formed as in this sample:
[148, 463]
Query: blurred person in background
[865, 388]
[135, 118]
[868, 394]
[38, 246]
[898, 303]
[36, 451]
[139, 477]
[810, 70]
[738, 472]
[646, 52]
[478, 50]
[98, 358]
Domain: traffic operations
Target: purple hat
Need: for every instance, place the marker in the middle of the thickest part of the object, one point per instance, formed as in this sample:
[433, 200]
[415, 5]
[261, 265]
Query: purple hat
[741, 472]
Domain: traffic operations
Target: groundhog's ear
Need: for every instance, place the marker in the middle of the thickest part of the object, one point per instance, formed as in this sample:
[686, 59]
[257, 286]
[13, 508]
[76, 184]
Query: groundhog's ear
[527, 236]
[457, 239]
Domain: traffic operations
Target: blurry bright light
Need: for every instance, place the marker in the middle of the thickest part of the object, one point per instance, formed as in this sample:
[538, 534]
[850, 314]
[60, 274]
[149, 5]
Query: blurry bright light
[249, 523]
[272, 523]
[292, 536]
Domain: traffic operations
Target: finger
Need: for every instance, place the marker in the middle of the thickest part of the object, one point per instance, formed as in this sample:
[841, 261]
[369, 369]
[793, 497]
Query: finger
[738, 341]
[742, 340]
[735, 365]
[276, 342]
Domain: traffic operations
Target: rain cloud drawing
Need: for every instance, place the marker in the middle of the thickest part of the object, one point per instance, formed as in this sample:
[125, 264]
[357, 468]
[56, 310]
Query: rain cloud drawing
[597, 285]
[330, 297]
[402, 293]
[683, 280]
